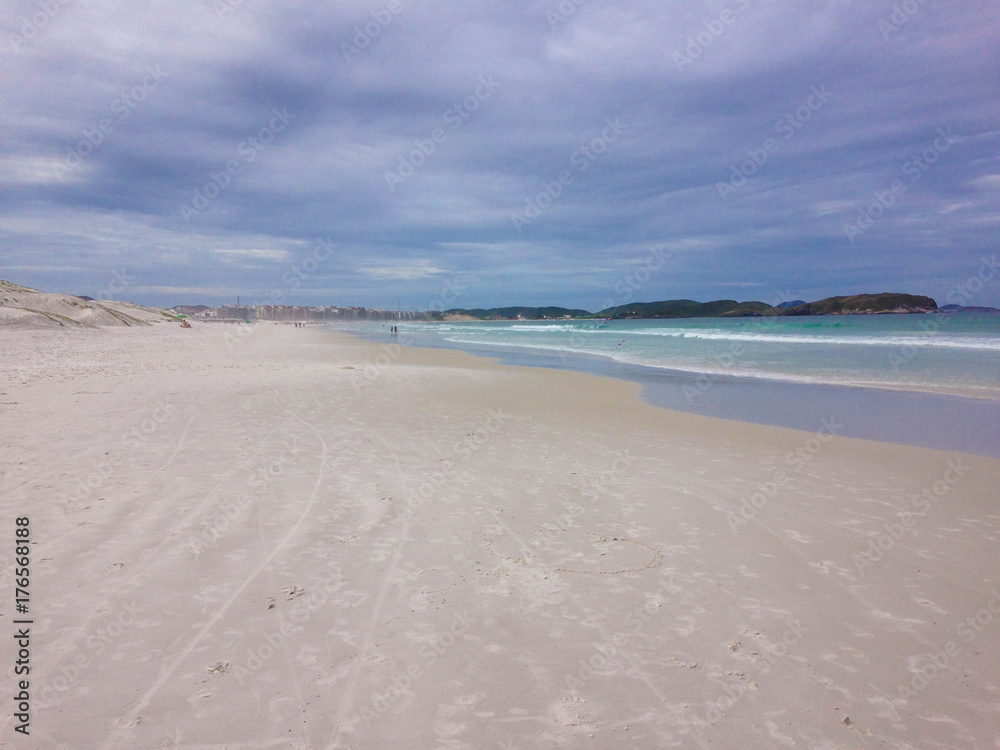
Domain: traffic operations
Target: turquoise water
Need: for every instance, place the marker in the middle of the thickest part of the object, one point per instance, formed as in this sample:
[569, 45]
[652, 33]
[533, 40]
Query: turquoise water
[941, 353]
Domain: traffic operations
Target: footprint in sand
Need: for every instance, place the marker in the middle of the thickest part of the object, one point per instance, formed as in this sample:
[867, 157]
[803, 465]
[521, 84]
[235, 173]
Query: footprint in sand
[220, 667]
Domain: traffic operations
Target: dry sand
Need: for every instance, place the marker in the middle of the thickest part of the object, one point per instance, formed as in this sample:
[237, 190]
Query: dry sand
[294, 539]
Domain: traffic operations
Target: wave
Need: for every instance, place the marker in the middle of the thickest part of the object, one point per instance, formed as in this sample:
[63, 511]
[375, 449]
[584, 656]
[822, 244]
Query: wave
[854, 379]
[625, 358]
[927, 340]
[546, 328]
[896, 340]
[917, 339]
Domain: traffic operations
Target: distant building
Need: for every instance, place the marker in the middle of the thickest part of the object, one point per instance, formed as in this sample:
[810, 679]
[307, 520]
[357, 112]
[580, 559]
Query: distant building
[298, 313]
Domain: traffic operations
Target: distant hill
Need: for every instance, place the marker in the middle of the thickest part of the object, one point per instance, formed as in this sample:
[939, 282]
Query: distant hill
[968, 308]
[686, 308]
[512, 313]
[858, 304]
[864, 304]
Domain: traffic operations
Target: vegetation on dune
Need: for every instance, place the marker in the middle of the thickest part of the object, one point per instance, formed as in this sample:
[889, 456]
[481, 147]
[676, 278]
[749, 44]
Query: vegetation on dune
[54, 317]
[74, 310]
[7, 286]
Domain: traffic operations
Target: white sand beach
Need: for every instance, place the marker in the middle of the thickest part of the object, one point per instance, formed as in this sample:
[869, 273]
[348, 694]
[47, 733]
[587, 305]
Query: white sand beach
[271, 537]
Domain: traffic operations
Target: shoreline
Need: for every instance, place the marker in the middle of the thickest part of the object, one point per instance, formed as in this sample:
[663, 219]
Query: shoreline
[772, 378]
[892, 415]
[292, 537]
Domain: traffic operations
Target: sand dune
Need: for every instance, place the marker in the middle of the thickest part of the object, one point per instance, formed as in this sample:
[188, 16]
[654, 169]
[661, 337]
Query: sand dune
[21, 307]
[251, 537]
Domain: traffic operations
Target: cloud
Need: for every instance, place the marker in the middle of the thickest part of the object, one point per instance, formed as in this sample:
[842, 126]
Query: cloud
[988, 181]
[116, 116]
[418, 269]
[35, 170]
[239, 253]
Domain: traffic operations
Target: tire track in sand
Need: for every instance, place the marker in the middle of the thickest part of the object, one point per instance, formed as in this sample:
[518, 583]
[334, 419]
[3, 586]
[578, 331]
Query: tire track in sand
[131, 719]
[338, 728]
[144, 482]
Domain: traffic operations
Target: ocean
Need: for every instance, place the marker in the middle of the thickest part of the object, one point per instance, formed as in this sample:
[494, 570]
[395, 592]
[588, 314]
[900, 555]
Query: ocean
[930, 380]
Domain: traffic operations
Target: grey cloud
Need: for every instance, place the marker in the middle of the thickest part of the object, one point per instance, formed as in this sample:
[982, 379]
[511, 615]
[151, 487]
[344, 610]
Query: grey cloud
[559, 77]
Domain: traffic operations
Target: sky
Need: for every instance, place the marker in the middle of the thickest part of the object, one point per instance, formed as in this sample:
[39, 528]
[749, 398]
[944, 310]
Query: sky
[583, 153]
